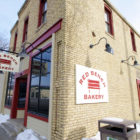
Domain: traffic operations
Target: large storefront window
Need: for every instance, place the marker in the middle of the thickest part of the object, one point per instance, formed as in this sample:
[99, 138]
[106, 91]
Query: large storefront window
[40, 83]
[10, 89]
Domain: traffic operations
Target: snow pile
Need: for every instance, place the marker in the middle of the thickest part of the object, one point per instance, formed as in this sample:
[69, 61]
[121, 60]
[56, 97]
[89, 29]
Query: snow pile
[97, 137]
[114, 119]
[29, 134]
[138, 127]
[4, 118]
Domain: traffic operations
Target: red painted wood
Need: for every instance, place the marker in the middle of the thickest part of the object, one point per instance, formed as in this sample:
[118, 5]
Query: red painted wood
[15, 100]
[56, 27]
[138, 88]
[20, 108]
[39, 15]
[27, 91]
[38, 117]
[25, 29]
[15, 42]
[42, 49]
[133, 40]
[8, 107]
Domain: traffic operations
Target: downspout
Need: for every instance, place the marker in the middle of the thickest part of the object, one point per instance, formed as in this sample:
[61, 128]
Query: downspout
[129, 75]
[51, 87]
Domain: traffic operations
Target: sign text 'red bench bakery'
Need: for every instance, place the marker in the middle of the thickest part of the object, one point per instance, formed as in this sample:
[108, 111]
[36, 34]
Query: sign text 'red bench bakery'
[9, 62]
[91, 85]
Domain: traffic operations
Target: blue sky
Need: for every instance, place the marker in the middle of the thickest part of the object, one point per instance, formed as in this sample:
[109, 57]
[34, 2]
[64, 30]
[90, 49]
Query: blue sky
[8, 15]
[130, 9]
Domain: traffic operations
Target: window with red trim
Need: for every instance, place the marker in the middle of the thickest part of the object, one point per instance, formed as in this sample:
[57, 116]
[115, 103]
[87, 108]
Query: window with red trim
[15, 42]
[133, 41]
[42, 12]
[108, 21]
[25, 31]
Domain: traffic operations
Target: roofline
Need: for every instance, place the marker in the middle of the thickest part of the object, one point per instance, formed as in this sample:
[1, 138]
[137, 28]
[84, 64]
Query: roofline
[122, 17]
[14, 26]
[23, 6]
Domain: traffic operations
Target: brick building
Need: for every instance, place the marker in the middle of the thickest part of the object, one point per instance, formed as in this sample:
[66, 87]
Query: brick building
[57, 36]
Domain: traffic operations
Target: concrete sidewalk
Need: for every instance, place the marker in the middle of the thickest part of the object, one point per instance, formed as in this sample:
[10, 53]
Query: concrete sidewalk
[4, 135]
[10, 129]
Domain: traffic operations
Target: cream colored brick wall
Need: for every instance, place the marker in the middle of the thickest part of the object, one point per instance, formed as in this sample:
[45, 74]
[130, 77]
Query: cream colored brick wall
[80, 19]
[7, 111]
[20, 113]
[38, 126]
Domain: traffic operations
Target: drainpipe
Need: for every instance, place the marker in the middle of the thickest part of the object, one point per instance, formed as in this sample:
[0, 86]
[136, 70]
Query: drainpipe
[129, 75]
[51, 86]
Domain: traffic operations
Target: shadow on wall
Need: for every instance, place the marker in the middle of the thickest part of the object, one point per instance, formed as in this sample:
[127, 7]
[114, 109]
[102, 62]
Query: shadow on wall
[77, 134]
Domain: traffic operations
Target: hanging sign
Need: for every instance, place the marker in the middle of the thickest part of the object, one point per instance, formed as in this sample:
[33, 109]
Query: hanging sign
[91, 85]
[9, 62]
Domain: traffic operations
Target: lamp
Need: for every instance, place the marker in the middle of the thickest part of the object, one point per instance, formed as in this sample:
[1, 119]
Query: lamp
[127, 61]
[108, 48]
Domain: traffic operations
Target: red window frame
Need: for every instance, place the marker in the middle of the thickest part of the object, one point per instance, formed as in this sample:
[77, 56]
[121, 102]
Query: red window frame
[138, 89]
[25, 31]
[133, 41]
[15, 42]
[108, 11]
[42, 12]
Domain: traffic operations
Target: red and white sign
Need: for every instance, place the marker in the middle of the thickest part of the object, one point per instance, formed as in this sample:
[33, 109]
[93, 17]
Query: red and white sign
[9, 62]
[91, 85]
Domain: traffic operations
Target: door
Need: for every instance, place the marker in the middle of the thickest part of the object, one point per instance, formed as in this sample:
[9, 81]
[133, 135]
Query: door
[19, 97]
[22, 94]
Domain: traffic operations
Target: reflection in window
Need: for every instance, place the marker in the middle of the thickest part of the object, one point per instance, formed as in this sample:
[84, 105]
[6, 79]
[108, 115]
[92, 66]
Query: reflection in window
[22, 94]
[40, 83]
[10, 89]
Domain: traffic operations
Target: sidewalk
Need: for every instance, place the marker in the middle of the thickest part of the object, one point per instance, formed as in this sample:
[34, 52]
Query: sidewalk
[4, 136]
[10, 129]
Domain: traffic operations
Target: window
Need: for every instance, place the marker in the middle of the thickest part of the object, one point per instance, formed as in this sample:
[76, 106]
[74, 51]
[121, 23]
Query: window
[25, 31]
[15, 42]
[133, 41]
[40, 83]
[10, 89]
[42, 12]
[108, 20]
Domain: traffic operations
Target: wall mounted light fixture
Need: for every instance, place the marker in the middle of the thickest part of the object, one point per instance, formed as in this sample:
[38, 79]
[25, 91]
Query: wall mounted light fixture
[131, 61]
[108, 48]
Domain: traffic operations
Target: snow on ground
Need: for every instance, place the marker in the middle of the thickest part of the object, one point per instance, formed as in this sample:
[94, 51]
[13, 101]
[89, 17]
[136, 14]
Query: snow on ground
[4, 118]
[29, 134]
[97, 137]
[138, 127]
[114, 119]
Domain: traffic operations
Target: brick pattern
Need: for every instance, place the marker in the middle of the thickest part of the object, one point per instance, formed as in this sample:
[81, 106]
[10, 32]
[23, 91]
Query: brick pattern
[80, 19]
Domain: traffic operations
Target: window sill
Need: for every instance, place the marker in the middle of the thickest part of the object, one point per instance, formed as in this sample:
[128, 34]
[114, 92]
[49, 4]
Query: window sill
[41, 26]
[37, 117]
[8, 107]
[110, 35]
[134, 52]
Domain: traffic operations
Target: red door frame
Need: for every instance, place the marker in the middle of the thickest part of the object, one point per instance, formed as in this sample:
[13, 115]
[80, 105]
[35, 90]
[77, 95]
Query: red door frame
[18, 79]
[138, 87]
